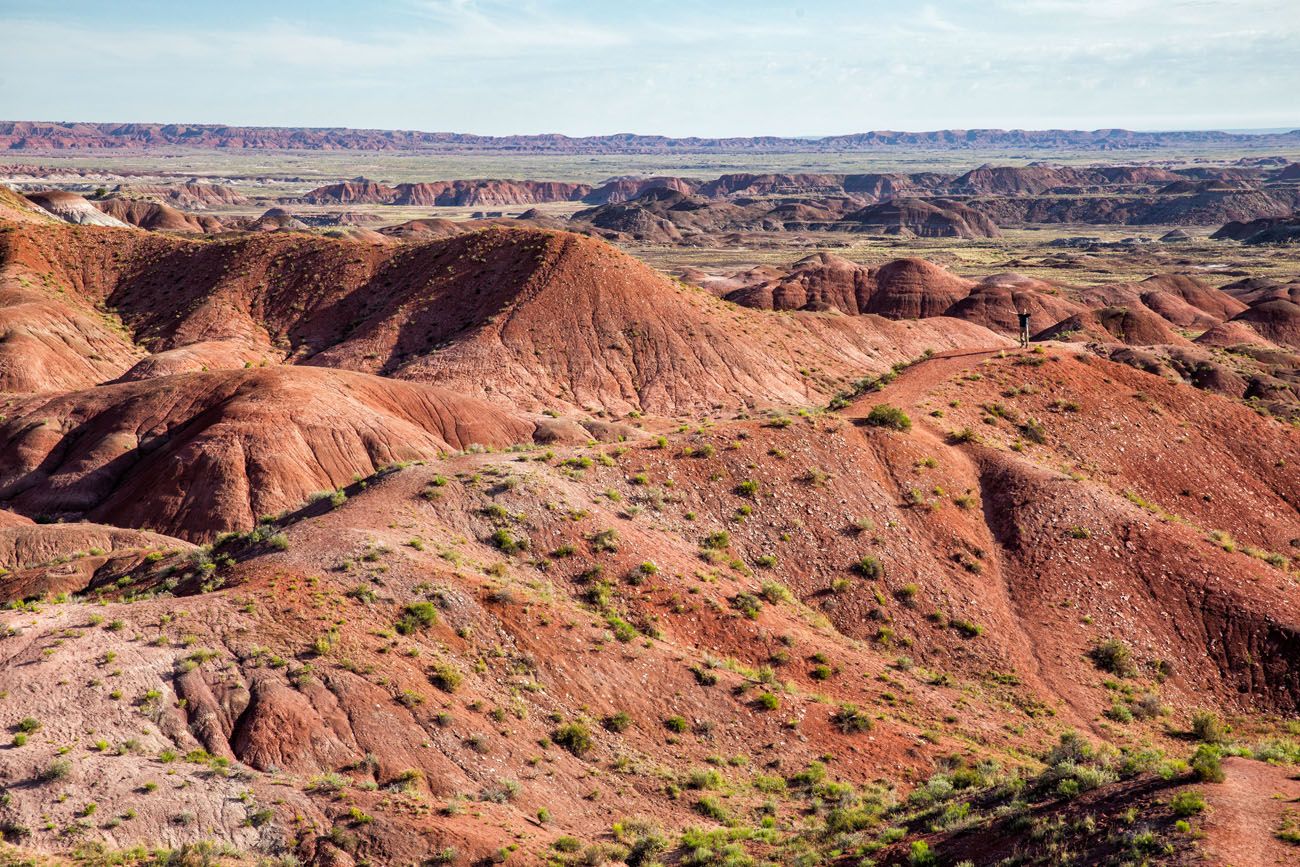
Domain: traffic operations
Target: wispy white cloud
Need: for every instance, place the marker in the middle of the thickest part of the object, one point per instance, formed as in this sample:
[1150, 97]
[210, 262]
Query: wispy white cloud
[726, 67]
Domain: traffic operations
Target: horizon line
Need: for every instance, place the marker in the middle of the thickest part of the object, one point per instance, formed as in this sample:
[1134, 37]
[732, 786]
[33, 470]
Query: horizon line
[1236, 131]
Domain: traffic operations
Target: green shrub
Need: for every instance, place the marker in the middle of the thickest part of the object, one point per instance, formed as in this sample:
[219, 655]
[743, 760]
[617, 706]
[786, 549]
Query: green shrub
[445, 676]
[59, 769]
[618, 722]
[850, 719]
[705, 779]
[1208, 728]
[676, 724]
[870, 567]
[1114, 656]
[888, 416]
[574, 737]
[1206, 764]
[605, 542]
[416, 616]
[713, 809]
[747, 604]
[717, 541]
[507, 542]
[921, 856]
[566, 844]
[1034, 431]
[1188, 802]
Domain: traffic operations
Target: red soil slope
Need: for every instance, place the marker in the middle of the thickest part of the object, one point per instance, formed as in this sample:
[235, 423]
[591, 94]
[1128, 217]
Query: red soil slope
[505, 301]
[197, 454]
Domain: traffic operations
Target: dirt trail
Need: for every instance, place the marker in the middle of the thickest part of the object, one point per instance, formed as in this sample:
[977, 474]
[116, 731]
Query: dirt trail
[913, 382]
[1246, 812]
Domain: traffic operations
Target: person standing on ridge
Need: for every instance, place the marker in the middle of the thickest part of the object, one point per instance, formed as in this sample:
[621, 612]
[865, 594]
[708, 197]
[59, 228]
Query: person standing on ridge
[1024, 328]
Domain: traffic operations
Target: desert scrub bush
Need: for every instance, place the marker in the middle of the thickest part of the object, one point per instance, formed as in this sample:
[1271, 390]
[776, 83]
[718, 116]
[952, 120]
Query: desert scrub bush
[907, 594]
[574, 737]
[747, 604]
[1119, 712]
[963, 435]
[888, 416]
[416, 616]
[815, 477]
[775, 592]
[1114, 656]
[1208, 728]
[445, 676]
[59, 769]
[717, 541]
[768, 701]
[712, 808]
[705, 778]
[27, 725]
[1147, 706]
[623, 631]
[850, 719]
[604, 541]
[507, 542]
[362, 593]
[1206, 763]
[620, 721]
[409, 698]
[501, 792]
[1188, 802]
[1034, 431]
[676, 724]
[870, 567]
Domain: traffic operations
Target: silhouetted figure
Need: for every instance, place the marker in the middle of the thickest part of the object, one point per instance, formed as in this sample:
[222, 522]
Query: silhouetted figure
[1024, 328]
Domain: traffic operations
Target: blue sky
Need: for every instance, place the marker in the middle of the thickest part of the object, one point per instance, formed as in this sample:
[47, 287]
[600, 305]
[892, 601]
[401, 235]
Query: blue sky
[709, 67]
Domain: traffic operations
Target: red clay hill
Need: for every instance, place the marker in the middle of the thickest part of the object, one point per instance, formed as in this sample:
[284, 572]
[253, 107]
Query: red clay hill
[507, 548]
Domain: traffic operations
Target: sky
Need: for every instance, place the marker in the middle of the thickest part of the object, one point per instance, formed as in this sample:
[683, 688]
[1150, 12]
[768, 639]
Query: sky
[672, 67]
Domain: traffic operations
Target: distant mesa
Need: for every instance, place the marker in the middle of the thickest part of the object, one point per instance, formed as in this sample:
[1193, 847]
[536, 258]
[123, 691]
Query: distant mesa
[193, 195]
[922, 218]
[1265, 230]
[460, 193]
[55, 136]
